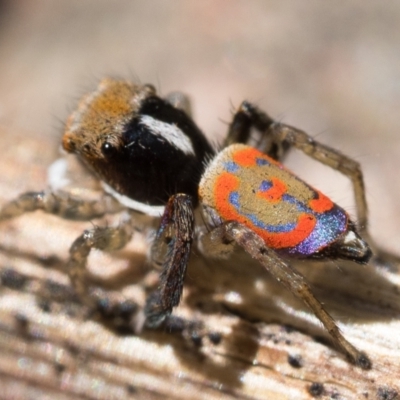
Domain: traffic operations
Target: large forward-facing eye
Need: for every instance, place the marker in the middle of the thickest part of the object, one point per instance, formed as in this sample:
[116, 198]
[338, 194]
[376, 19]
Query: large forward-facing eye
[108, 149]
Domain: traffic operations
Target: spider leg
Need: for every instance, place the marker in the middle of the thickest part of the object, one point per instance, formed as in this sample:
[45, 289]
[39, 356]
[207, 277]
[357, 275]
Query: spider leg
[292, 280]
[61, 204]
[176, 232]
[281, 137]
[248, 118]
[214, 245]
[332, 158]
[102, 238]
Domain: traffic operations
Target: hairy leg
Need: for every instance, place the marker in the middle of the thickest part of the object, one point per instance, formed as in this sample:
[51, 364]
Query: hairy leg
[102, 238]
[291, 279]
[61, 204]
[175, 236]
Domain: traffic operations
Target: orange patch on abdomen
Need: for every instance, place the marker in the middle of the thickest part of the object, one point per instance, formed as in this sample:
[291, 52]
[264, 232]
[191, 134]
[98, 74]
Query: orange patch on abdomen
[321, 204]
[281, 240]
[227, 183]
[275, 192]
[248, 157]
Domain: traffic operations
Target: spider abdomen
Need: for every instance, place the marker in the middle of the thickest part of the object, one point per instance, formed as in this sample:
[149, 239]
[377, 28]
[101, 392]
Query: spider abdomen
[245, 185]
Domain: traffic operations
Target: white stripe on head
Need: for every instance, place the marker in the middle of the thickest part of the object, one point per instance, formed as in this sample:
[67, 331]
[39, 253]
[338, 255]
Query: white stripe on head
[169, 132]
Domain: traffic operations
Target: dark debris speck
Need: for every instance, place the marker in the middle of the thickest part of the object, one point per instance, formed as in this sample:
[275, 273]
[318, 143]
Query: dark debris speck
[175, 324]
[12, 279]
[59, 291]
[295, 360]
[215, 337]
[386, 393]
[44, 305]
[316, 389]
[49, 261]
[60, 368]
[104, 307]
[288, 328]
[127, 309]
[22, 322]
[122, 311]
[335, 395]
[131, 389]
[196, 338]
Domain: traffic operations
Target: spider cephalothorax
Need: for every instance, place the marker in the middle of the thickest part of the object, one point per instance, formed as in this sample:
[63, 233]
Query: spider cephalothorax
[139, 145]
[151, 157]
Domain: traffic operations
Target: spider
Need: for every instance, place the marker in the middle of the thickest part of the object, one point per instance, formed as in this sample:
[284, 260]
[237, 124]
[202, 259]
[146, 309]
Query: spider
[151, 158]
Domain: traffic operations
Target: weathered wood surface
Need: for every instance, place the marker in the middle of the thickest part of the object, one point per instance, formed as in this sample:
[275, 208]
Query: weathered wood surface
[51, 348]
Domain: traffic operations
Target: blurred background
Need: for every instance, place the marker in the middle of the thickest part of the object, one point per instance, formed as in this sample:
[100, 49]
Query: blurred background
[331, 69]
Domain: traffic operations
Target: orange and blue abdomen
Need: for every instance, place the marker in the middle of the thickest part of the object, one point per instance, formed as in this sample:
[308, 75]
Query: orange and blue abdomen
[247, 186]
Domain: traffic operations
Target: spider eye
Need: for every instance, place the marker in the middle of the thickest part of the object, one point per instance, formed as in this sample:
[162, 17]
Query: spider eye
[108, 149]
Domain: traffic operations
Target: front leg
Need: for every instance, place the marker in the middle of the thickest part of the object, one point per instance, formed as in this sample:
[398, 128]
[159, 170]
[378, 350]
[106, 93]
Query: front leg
[59, 203]
[292, 280]
[176, 232]
[102, 238]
